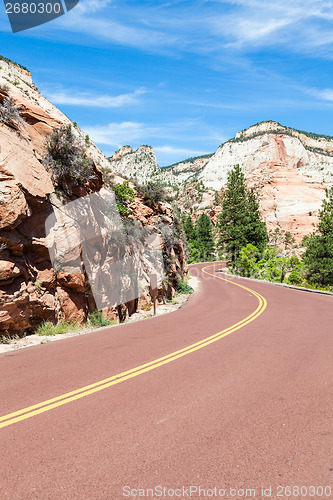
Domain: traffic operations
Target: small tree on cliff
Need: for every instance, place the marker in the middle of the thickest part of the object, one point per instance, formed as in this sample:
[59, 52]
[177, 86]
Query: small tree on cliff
[66, 160]
[240, 222]
[318, 257]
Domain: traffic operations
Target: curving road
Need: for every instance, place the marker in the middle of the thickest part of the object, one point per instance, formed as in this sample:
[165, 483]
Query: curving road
[231, 393]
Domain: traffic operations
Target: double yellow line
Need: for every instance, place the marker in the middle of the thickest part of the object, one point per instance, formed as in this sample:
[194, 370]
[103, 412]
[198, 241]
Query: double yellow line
[50, 404]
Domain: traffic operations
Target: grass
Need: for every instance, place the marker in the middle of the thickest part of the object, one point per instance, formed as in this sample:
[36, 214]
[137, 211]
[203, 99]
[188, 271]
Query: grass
[5, 339]
[96, 319]
[171, 301]
[49, 329]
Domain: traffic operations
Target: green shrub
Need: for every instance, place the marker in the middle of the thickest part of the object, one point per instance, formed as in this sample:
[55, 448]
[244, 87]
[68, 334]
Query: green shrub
[96, 319]
[297, 275]
[152, 193]
[183, 287]
[124, 195]
[66, 160]
[9, 112]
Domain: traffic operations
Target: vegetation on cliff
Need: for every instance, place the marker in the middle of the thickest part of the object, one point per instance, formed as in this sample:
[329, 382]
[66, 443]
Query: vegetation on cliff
[66, 159]
[7, 60]
[285, 131]
[9, 113]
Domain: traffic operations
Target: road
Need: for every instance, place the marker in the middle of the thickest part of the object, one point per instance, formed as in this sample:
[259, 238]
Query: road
[233, 391]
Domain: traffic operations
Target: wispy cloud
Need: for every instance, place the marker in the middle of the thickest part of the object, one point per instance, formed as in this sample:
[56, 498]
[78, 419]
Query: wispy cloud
[136, 133]
[208, 28]
[299, 25]
[322, 94]
[211, 28]
[118, 32]
[183, 151]
[118, 134]
[92, 100]
[90, 6]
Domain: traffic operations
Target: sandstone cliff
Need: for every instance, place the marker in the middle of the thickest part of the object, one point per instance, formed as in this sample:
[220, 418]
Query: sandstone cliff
[288, 168]
[140, 165]
[188, 169]
[31, 289]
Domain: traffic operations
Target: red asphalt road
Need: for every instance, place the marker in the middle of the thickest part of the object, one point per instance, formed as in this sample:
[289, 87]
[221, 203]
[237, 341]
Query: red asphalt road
[251, 410]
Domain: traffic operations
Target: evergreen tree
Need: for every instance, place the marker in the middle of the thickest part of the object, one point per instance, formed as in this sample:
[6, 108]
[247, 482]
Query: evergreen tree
[205, 239]
[256, 232]
[318, 257]
[190, 233]
[288, 239]
[189, 229]
[240, 222]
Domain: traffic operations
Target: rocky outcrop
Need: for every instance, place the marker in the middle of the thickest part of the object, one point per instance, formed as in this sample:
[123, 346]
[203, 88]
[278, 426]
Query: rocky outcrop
[189, 169]
[31, 288]
[140, 165]
[270, 143]
[288, 169]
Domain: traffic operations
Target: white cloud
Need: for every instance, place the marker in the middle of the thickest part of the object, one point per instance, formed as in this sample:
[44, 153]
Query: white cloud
[173, 150]
[324, 94]
[300, 24]
[90, 6]
[118, 134]
[136, 133]
[118, 32]
[211, 28]
[92, 100]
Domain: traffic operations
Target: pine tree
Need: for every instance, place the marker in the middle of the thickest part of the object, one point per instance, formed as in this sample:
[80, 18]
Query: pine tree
[190, 233]
[240, 222]
[205, 239]
[318, 257]
[189, 229]
[256, 231]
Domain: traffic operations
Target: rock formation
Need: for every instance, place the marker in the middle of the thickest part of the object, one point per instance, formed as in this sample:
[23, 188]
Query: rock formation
[140, 165]
[289, 170]
[189, 168]
[31, 289]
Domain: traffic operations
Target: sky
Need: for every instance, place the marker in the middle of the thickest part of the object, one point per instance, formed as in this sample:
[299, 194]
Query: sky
[182, 76]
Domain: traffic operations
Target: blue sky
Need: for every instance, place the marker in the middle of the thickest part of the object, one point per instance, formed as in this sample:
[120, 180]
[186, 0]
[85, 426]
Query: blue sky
[182, 76]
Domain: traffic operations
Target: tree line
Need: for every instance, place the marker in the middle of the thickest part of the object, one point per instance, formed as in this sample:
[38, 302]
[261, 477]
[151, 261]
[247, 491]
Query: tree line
[241, 236]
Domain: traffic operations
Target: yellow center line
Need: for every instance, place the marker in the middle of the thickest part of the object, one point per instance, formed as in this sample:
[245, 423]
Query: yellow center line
[50, 404]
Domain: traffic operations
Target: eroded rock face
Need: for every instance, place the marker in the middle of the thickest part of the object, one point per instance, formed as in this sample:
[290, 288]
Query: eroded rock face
[185, 170]
[288, 169]
[31, 290]
[140, 165]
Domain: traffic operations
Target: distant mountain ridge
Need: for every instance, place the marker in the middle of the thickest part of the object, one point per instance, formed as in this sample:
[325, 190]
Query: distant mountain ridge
[288, 168]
